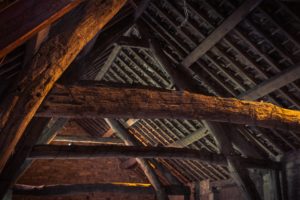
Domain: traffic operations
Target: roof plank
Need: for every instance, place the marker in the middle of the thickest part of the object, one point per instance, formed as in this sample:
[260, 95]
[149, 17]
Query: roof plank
[288, 76]
[234, 19]
[23, 19]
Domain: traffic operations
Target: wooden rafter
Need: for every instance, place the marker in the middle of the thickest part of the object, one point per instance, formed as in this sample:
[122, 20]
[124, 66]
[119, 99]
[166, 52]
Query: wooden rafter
[228, 24]
[38, 15]
[193, 137]
[89, 152]
[71, 189]
[181, 80]
[109, 102]
[44, 70]
[238, 172]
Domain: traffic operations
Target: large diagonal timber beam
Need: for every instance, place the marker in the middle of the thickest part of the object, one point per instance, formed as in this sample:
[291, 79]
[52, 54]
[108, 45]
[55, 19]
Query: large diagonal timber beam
[228, 24]
[90, 152]
[72, 189]
[183, 82]
[88, 140]
[47, 66]
[49, 131]
[158, 103]
[24, 19]
[129, 139]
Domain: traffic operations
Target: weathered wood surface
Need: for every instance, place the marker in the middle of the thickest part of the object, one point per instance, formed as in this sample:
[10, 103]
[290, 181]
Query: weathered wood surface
[155, 103]
[77, 152]
[40, 131]
[25, 18]
[88, 140]
[72, 189]
[129, 139]
[50, 62]
[184, 81]
[228, 24]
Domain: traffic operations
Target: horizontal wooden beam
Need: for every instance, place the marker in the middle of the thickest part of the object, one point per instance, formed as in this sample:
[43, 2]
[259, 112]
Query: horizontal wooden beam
[72, 189]
[109, 102]
[286, 77]
[88, 140]
[24, 19]
[228, 24]
[127, 124]
[80, 152]
[193, 137]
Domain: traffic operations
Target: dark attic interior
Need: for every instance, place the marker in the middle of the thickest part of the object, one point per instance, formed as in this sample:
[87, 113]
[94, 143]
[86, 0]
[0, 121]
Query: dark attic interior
[150, 99]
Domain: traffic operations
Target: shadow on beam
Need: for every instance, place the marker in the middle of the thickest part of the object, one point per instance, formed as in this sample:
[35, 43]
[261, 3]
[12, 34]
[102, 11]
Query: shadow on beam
[71, 189]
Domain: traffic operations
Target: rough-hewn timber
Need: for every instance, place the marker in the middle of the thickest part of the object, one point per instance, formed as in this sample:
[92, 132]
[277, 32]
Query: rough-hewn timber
[51, 61]
[77, 152]
[37, 15]
[134, 188]
[155, 103]
[88, 140]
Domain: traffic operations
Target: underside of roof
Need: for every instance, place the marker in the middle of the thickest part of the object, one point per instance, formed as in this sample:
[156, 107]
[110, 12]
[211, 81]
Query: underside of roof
[242, 49]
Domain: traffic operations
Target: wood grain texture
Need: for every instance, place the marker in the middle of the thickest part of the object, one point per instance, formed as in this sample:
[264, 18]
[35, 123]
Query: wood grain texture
[25, 18]
[71, 189]
[47, 66]
[103, 102]
[89, 152]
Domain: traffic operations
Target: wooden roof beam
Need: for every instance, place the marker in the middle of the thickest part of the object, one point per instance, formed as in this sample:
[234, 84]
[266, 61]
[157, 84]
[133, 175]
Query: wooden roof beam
[89, 152]
[88, 140]
[288, 76]
[228, 24]
[72, 189]
[181, 80]
[238, 172]
[38, 132]
[195, 136]
[129, 139]
[53, 58]
[24, 19]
